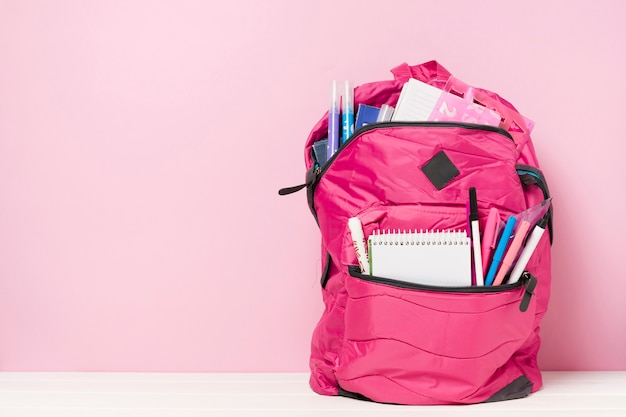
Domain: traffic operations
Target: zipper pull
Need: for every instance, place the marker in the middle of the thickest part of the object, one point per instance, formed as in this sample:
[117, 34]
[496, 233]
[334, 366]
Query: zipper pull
[291, 190]
[311, 177]
[530, 283]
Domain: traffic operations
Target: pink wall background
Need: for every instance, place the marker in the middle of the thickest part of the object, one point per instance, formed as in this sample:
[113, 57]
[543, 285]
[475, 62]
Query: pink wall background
[142, 144]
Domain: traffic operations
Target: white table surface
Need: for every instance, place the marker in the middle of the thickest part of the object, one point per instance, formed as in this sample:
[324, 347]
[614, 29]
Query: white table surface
[275, 394]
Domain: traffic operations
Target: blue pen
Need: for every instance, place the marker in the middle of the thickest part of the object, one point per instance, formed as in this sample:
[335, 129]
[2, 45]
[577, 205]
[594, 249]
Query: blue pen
[500, 249]
[348, 111]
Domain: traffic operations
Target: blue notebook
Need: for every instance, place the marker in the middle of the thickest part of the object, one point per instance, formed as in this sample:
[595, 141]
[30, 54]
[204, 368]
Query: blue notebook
[365, 115]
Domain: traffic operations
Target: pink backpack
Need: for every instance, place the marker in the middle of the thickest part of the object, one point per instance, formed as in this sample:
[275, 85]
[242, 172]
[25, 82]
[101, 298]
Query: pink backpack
[391, 341]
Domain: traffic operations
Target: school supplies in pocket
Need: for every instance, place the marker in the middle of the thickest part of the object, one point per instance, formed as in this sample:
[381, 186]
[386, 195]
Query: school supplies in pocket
[426, 257]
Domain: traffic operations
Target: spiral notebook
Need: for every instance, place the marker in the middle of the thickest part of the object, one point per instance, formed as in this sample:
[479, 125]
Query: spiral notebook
[439, 258]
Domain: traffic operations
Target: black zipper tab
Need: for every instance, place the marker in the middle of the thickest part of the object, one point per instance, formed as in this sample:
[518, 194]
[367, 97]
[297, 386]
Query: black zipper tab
[311, 176]
[291, 190]
[530, 283]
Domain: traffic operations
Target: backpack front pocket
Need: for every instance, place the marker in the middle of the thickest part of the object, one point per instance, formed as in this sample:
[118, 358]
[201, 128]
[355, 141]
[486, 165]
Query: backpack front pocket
[414, 344]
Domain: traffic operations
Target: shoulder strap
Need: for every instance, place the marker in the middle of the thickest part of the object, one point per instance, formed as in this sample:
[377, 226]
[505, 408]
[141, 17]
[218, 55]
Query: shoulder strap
[430, 72]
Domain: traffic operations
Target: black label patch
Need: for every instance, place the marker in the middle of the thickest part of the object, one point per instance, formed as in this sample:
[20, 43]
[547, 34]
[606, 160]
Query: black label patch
[440, 170]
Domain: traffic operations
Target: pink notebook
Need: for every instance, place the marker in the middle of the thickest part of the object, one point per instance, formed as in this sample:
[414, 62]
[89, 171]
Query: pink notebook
[422, 102]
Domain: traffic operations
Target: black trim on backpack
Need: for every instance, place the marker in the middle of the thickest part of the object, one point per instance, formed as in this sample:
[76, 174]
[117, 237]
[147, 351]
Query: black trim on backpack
[354, 395]
[519, 388]
[325, 272]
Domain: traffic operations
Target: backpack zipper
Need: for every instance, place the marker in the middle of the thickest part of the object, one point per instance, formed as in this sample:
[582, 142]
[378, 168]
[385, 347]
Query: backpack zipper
[528, 281]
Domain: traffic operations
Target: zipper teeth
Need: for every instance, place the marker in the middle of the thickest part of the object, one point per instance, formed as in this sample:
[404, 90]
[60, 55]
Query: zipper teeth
[353, 270]
[470, 126]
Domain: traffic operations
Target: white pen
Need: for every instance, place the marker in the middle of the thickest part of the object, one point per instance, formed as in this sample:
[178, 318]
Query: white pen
[385, 113]
[531, 244]
[358, 239]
